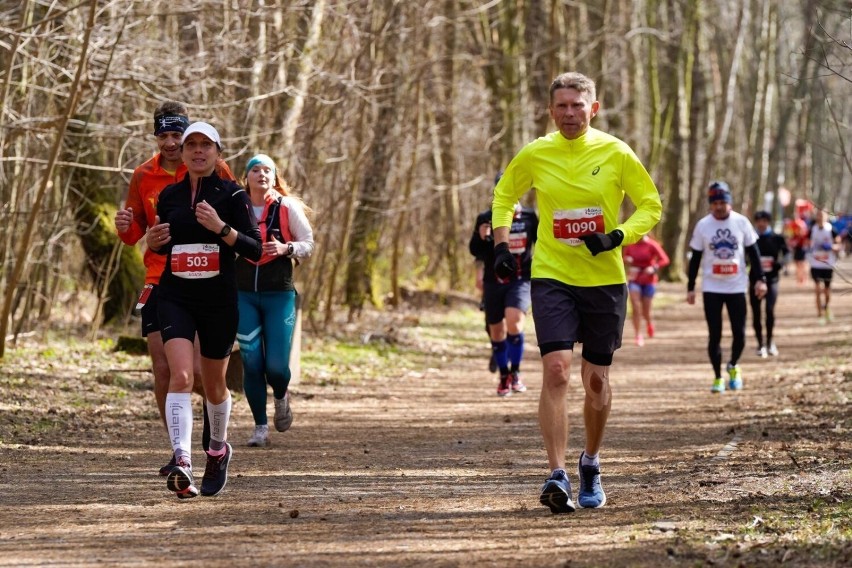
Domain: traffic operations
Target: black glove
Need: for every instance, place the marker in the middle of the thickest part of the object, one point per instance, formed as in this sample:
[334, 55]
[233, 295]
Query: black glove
[599, 242]
[505, 264]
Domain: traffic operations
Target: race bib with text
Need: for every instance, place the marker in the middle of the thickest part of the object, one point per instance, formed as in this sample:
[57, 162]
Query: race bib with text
[822, 256]
[571, 224]
[195, 261]
[143, 297]
[725, 268]
[517, 242]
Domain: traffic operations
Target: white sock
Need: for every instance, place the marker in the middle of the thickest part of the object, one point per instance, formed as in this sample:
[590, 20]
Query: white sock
[179, 423]
[590, 460]
[219, 415]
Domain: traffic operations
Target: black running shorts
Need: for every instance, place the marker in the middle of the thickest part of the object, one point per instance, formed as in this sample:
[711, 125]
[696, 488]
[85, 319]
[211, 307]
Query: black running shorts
[216, 325]
[822, 275]
[497, 297]
[593, 316]
[150, 319]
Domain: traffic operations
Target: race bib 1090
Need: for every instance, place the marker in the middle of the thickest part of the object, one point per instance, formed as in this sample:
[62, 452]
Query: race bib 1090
[571, 224]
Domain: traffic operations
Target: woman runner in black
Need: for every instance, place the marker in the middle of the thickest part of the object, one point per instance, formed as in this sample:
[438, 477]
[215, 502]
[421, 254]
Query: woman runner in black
[202, 223]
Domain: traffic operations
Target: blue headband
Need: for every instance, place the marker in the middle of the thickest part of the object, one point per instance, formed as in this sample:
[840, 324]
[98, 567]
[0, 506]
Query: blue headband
[261, 159]
[716, 194]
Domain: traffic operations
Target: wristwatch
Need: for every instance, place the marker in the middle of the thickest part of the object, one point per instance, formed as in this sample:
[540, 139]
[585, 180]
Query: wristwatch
[225, 230]
[289, 249]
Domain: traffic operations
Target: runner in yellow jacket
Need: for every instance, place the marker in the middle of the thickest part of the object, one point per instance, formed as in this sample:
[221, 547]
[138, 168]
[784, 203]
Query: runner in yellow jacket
[579, 293]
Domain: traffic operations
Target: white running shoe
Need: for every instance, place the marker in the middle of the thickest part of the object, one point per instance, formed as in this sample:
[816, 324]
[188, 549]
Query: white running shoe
[260, 438]
[773, 350]
[283, 414]
[762, 353]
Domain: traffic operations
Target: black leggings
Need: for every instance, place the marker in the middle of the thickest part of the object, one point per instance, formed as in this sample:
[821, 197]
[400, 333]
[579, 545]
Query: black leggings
[736, 304]
[770, 298]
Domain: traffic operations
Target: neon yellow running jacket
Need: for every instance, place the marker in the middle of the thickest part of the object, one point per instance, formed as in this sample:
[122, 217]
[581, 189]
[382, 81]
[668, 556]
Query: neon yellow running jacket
[580, 185]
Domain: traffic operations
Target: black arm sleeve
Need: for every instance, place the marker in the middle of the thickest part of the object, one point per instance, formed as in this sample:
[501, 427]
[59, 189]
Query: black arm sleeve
[694, 265]
[754, 259]
[248, 236]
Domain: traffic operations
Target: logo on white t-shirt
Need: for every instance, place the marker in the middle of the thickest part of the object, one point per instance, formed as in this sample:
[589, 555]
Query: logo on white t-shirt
[724, 244]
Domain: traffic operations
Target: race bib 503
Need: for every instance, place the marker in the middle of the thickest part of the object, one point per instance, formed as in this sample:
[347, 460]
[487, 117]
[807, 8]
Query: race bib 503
[195, 261]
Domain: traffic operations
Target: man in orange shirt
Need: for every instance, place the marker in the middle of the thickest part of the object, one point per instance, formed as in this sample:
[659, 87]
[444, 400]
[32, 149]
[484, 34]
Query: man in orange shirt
[131, 223]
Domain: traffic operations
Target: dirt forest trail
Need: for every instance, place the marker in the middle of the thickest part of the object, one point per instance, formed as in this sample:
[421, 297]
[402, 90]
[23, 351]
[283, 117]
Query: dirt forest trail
[433, 469]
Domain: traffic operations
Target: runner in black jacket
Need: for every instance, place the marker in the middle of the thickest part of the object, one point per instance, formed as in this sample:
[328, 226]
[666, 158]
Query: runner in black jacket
[506, 301]
[773, 255]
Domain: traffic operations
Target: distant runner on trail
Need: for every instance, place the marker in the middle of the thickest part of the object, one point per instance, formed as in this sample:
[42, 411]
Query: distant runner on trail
[131, 223]
[773, 255]
[722, 239]
[580, 175]
[643, 259]
[506, 300]
[823, 246]
[796, 233]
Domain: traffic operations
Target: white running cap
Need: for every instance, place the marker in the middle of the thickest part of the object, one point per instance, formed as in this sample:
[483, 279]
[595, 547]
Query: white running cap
[202, 128]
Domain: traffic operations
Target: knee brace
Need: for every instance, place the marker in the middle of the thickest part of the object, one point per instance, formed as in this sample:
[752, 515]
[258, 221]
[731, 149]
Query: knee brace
[596, 384]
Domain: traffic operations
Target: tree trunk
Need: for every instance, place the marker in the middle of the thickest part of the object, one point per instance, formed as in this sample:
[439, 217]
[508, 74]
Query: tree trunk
[373, 193]
[46, 182]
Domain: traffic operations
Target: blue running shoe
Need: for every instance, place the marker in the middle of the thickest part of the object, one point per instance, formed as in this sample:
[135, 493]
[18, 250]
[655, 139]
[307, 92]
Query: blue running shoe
[591, 494]
[735, 377]
[556, 493]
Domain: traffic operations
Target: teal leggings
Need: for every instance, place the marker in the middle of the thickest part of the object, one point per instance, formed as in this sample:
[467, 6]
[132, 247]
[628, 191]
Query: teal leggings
[265, 335]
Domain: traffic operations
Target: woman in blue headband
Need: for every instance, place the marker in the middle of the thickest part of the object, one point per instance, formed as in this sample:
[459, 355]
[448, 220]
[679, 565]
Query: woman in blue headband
[267, 295]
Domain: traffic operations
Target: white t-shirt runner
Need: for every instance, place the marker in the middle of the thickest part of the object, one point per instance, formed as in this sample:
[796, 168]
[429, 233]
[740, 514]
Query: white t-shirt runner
[723, 245]
[821, 254]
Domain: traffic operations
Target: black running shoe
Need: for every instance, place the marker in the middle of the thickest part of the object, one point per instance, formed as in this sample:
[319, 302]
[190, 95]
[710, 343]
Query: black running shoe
[216, 473]
[492, 364]
[180, 481]
[166, 469]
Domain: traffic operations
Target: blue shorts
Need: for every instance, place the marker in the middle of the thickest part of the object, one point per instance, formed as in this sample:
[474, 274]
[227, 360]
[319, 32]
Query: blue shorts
[497, 297]
[593, 316]
[647, 290]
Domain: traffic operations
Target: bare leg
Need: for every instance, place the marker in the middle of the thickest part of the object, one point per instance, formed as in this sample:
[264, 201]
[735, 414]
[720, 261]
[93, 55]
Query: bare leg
[553, 406]
[636, 305]
[514, 321]
[818, 299]
[597, 404]
[647, 301]
[160, 367]
[497, 331]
